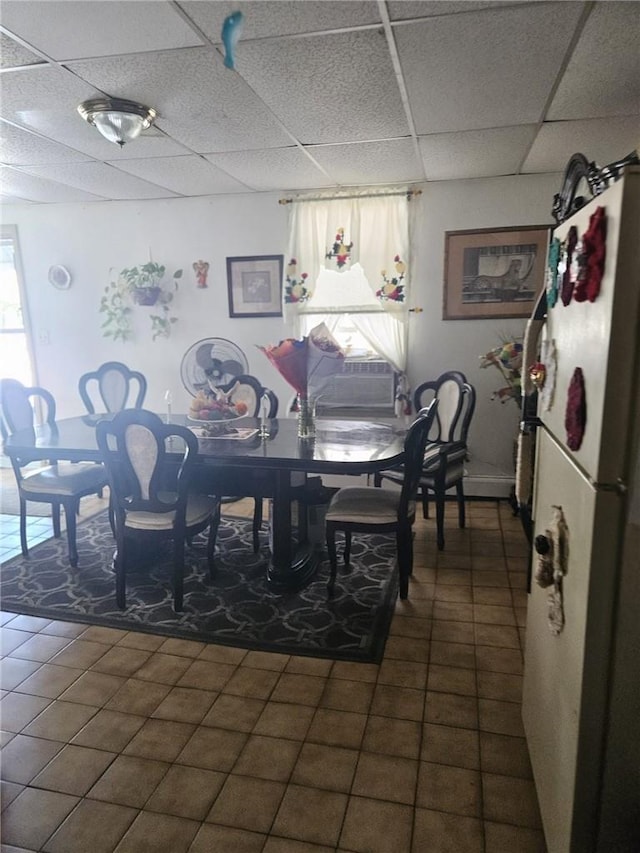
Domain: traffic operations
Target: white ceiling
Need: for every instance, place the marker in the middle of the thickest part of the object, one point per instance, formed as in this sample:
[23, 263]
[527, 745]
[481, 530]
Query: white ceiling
[324, 94]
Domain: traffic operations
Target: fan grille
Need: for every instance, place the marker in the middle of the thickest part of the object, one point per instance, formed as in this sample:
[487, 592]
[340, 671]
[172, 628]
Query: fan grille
[211, 360]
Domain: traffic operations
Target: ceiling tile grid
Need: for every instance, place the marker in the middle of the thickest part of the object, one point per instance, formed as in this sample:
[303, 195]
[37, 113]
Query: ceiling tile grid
[324, 93]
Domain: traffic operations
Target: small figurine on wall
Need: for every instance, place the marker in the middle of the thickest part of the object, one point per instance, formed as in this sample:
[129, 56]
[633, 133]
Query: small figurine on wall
[201, 268]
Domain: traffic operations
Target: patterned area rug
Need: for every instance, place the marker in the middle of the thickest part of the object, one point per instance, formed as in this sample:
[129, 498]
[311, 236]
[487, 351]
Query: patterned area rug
[235, 609]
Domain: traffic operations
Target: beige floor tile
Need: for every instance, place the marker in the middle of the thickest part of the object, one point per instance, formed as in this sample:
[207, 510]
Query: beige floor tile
[453, 654]
[504, 636]
[158, 833]
[121, 660]
[328, 767]
[247, 803]
[73, 770]
[503, 755]
[352, 671]
[92, 826]
[375, 826]
[452, 632]
[337, 728]
[449, 789]
[129, 781]
[410, 626]
[60, 720]
[49, 680]
[138, 697]
[291, 845]
[450, 745]
[453, 577]
[80, 653]
[207, 675]
[182, 648]
[266, 660]
[500, 717]
[403, 674]
[489, 578]
[14, 671]
[342, 695]
[280, 719]
[239, 713]
[17, 710]
[407, 649]
[163, 740]
[439, 832]
[213, 749]
[164, 669]
[186, 792]
[267, 758]
[493, 614]
[8, 792]
[452, 679]
[211, 837]
[311, 815]
[453, 612]
[457, 594]
[500, 685]
[492, 595]
[24, 757]
[110, 730]
[500, 837]
[34, 624]
[99, 634]
[507, 799]
[223, 654]
[309, 666]
[392, 736]
[495, 659]
[33, 816]
[449, 709]
[11, 640]
[185, 704]
[93, 688]
[254, 683]
[402, 702]
[301, 689]
[40, 647]
[386, 777]
[137, 640]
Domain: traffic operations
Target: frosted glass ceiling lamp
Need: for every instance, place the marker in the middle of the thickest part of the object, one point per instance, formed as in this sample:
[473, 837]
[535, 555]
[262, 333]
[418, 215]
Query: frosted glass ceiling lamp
[117, 120]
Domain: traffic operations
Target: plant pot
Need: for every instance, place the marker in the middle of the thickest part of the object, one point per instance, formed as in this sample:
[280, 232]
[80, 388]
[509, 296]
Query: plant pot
[146, 295]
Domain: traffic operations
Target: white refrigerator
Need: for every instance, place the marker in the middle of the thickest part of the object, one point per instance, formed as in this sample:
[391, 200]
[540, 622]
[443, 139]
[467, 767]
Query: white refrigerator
[581, 693]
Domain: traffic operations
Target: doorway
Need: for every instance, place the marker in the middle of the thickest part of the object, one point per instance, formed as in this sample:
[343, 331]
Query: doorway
[16, 350]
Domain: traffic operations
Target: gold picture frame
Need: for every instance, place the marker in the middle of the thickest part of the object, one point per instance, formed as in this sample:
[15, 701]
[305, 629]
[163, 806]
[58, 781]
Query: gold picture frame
[493, 272]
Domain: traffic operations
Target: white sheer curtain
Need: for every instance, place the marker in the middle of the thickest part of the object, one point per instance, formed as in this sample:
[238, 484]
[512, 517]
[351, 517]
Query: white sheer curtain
[350, 255]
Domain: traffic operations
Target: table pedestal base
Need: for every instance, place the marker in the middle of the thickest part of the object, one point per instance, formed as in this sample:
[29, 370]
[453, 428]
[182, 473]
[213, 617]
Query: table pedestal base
[297, 575]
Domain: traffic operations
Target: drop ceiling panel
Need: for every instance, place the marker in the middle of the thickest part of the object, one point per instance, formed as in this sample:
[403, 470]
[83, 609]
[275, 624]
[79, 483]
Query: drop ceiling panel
[494, 68]
[402, 10]
[13, 54]
[29, 95]
[20, 147]
[201, 104]
[603, 76]
[601, 140]
[270, 18]
[71, 30]
[102, 180]
[33, 188]
[275, 169]
[191, 175]
[369, 162]
[338, 88]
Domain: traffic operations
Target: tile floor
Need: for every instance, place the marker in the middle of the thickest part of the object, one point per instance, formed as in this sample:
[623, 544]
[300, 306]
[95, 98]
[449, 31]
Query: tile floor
[116, 741]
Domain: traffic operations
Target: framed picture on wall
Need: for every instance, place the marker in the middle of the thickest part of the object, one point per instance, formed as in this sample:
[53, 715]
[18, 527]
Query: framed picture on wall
[494, 272]
[255, 286]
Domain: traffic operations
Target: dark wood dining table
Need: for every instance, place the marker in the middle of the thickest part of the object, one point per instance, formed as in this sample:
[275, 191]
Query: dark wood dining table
[348, 447]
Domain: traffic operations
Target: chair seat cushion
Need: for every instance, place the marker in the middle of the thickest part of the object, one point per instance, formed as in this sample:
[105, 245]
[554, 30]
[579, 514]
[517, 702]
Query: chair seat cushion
[199, 508]
[365, 506]
[65, 479]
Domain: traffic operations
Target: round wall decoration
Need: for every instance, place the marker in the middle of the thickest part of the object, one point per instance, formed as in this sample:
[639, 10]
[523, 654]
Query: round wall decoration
[60, 277]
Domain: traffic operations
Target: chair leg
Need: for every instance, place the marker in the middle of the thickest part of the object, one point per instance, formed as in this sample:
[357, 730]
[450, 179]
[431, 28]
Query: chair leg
[377, 480]
[425, 502]
[178, 573]
[333, 557]
[347, 547]
[461, 508]
[55, 518]
[440, 518]
[23, 527]
[404, 540]
[211, 542]
[120, 573]
[257, 524]
[70, 516]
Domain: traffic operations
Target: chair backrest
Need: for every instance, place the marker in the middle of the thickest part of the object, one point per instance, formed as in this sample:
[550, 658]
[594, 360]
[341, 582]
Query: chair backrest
[449, 390]
[272, 397]
[115, 384]
[414, 446]
[16, 406]
[244, 388]
[142, 476]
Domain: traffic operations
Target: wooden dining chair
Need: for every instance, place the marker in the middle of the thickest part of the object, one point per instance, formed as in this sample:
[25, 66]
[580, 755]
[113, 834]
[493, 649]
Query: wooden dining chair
[377, 510]
[150, 491]
[112, 387]
[62, 484]
[446, 451]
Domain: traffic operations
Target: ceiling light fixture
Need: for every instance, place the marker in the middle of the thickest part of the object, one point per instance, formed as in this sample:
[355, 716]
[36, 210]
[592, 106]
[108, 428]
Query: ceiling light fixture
[117, 120]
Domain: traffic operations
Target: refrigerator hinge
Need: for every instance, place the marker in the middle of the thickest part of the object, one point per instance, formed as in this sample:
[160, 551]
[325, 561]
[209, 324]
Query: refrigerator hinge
[619, 487]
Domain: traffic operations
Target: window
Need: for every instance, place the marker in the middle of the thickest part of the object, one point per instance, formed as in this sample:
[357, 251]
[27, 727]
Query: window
[15, 350]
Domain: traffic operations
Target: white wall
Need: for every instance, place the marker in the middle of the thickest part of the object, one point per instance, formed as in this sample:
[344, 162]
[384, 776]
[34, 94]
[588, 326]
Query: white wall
[90, 239]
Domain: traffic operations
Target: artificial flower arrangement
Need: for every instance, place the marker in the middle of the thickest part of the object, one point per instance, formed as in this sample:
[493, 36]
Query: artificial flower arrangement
[507, 358]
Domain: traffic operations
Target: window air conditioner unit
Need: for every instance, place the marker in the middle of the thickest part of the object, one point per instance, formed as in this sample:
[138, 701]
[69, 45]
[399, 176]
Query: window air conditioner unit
[363, 384]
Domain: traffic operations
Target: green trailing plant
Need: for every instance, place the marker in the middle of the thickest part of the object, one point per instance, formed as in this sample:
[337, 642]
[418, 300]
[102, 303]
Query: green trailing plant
[143, 285]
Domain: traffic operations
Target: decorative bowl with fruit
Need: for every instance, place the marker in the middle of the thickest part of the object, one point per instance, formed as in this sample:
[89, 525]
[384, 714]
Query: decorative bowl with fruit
[214, 413]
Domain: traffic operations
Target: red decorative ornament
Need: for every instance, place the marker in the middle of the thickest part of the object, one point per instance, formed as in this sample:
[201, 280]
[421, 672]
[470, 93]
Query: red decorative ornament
[594, 245]
[575, 418]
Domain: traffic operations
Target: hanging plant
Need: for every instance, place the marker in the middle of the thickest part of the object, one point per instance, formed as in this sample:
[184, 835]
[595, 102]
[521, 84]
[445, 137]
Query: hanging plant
[143, 285]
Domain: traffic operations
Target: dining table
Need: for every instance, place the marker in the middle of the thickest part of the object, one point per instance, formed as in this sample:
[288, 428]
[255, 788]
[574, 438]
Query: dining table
[227, 463]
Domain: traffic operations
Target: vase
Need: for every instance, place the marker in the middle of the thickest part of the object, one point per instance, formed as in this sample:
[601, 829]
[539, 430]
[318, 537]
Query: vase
[146, 295]
[306, 417]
